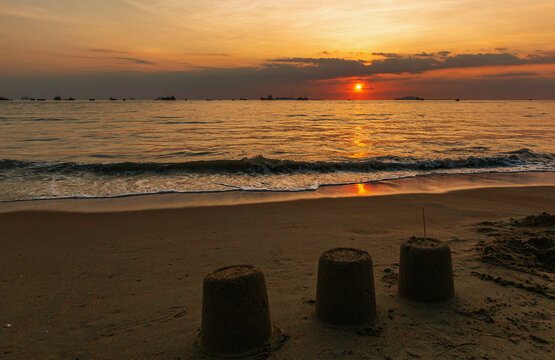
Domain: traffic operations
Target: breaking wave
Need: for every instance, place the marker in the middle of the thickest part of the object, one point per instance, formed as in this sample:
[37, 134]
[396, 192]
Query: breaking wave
[262, 165]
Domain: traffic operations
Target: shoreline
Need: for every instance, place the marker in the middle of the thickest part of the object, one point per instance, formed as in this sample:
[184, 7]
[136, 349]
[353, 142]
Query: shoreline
[128, 284]
[425, 184]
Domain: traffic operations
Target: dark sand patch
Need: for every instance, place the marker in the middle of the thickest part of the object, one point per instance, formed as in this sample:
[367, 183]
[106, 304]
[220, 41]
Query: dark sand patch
[526, 244]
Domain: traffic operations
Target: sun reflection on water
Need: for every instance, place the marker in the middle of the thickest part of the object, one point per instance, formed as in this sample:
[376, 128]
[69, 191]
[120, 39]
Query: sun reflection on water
[362, 189]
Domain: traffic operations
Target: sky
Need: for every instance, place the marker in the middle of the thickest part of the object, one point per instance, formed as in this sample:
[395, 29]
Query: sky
[436, 49]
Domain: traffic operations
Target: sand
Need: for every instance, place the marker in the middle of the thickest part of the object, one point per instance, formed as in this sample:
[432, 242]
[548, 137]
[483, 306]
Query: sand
[128, 285]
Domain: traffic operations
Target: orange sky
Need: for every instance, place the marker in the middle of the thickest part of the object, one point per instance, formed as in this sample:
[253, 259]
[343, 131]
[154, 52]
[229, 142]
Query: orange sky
[210, 48]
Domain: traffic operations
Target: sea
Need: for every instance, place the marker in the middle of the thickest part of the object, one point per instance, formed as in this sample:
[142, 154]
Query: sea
[81, 149]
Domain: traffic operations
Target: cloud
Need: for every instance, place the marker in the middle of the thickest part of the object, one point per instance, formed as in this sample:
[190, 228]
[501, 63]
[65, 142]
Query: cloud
[425, 54]
[387, 55]
[510, 74]
[474, 60]
[315, 68]
[476, 88]
[422, 54]
[327, 68]
[285, 76]
[31, 12]
[134, 60]
[542, 57]
[399, 65]
[115, 52]
[545, 52]
[107, 51]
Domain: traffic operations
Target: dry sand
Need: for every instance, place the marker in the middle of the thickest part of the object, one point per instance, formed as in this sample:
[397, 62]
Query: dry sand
[128, 285]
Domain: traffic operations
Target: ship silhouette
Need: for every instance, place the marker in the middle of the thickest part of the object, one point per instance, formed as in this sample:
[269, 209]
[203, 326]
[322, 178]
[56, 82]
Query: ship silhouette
[270, 97]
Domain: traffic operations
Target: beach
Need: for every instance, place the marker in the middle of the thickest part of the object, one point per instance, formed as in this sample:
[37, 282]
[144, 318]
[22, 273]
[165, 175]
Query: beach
[127, 284]
[315, 180]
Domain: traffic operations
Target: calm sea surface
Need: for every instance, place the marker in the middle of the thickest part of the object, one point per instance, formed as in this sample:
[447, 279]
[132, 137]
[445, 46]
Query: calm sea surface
[55, 149]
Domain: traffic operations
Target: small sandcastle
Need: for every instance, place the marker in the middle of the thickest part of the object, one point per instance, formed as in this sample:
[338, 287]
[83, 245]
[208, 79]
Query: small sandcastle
[345, 291]
[425, 270]
[236, 314]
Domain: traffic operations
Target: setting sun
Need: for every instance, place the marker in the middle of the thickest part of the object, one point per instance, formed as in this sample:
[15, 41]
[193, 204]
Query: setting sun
[358, 87]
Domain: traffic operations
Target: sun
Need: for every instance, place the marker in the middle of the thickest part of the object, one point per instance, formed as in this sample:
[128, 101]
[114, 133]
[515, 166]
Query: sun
[358, 87]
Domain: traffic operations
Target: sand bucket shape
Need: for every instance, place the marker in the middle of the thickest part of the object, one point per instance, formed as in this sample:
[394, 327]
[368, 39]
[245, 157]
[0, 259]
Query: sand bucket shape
[426, 271]
[235, 313]
[345, 293]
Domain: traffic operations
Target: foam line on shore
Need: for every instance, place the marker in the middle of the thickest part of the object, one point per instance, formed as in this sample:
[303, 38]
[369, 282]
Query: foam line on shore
[168, 199]
[238, 188]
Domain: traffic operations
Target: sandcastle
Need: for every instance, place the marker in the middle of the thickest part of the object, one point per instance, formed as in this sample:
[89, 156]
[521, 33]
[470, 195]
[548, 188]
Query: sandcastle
[345, 290]
[236, 316]
[235, 311]
[425, 270]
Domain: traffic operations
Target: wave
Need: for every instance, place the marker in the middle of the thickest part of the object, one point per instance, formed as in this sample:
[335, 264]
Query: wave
[262, 165]
[241, 188]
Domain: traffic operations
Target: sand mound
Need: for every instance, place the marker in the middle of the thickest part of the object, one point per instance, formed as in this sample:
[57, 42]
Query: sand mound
[526, 244]
[543, 219]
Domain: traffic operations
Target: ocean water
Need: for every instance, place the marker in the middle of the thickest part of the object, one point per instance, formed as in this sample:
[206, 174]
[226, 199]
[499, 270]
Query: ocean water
[56, 149]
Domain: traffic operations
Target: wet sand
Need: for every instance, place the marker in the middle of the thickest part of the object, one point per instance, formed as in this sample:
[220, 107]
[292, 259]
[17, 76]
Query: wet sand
[128, 284]
[432, 184]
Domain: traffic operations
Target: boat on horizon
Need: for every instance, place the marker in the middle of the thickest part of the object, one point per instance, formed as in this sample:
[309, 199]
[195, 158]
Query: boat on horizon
[270, 97]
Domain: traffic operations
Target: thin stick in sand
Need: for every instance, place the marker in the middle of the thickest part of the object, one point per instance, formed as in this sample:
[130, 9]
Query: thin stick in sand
[424, 222]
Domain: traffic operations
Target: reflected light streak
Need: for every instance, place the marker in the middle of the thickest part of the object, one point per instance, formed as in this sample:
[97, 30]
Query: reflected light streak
[359, 155]
[363, 189]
